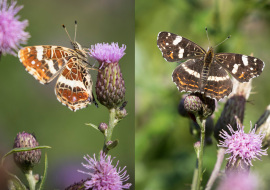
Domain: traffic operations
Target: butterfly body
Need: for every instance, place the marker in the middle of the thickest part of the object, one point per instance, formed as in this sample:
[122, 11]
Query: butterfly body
[205, 71]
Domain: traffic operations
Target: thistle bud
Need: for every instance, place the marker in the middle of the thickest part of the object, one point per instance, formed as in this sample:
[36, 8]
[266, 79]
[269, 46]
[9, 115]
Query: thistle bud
[120, 113]
[192, 104]
[110, 85]
[103, 127]
[198, 104]
[26, 160]
[235, 106]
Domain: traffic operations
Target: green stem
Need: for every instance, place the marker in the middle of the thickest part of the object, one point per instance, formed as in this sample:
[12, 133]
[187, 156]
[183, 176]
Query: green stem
[200, 155]
[31, 179]
[108, 134]
[195, 176]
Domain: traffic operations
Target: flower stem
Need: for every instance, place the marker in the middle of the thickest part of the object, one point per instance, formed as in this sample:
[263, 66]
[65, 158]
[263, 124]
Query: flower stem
[198, 171]
[108, 134]
[31, 179]
[214, 175]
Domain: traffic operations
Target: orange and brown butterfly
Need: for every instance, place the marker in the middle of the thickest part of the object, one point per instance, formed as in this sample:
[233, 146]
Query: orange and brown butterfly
[45, 62]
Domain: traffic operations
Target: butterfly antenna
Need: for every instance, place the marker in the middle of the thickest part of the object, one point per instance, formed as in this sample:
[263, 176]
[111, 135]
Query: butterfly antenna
[67, 33]
[223, 41]
[75, 30]
[207, 36]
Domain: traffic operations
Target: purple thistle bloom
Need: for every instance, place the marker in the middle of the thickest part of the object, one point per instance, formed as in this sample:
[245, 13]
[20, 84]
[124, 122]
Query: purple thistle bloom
[104, 175]
[12, 32]
[247, 147]
[238, 181]
[107, 53]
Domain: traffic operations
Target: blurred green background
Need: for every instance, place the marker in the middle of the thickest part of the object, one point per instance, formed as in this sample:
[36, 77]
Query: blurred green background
[165, 157]
[26, 105]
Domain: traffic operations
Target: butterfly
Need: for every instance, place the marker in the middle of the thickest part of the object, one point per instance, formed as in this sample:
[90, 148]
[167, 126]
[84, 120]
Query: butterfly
[45, 62]
[205, 71]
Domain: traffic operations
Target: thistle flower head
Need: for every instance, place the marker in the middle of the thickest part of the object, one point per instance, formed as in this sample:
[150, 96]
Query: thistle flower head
[104, 175]
[12, 32]
[26, 160]
[241, 145]
[110, 85]
[107, 53]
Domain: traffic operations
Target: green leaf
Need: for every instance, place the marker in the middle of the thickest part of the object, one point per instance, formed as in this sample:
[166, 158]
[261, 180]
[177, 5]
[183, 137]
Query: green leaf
[21, 150]
[92, 125]
[45, 173]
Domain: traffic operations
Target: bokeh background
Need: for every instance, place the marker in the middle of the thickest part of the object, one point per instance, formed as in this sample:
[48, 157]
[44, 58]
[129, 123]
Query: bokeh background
[165, 156]
[26, 105]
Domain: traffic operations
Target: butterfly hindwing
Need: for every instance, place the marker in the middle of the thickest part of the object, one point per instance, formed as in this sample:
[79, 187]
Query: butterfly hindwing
[176, 48]
[241, 67]
[187, 78]
[219, 84]
[74, 85]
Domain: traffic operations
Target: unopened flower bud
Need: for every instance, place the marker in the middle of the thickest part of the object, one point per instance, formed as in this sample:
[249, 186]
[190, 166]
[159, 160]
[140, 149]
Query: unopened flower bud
[197, 146]
[198, 104]
[26, 160]
[120, 113]
[103, 127]
[112, 144]
[192, 104]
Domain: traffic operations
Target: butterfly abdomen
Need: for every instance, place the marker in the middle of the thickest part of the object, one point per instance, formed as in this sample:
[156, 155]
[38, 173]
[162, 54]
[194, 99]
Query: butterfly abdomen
[203, 78]
[208, 60]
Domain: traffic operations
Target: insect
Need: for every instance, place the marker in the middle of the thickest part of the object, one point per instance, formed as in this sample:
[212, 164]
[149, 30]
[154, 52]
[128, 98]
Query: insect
[45, 62]
[205, 71]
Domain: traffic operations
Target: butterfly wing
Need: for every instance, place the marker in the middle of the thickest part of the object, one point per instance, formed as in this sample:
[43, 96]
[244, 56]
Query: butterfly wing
[187, 78]
[241, 67]
[45, 62]
[74, 85]
[219, 84]
[176, 48]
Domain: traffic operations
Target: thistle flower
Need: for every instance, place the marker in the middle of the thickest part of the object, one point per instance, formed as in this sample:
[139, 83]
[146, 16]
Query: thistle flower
[238, 181]
[104, 175]
[110, 86]
[242, 146]
[26, 160]
[12, 32]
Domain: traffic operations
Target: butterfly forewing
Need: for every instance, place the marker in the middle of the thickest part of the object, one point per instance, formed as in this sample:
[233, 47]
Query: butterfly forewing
[44, 62]
[176, 48]
[74, 85]
[241, 67]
